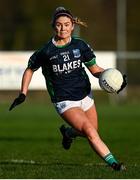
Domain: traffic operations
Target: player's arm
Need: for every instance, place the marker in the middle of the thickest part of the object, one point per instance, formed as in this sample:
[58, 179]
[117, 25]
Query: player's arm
[93, 67]
[95, 70]
[26, 79]
[89, 59]
[33, 64]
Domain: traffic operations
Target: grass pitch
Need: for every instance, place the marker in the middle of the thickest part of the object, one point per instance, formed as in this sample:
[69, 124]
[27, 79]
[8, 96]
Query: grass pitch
[30, 144]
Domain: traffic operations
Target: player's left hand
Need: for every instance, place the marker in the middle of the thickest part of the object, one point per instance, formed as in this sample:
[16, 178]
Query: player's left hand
[123, 84]
[20, 99]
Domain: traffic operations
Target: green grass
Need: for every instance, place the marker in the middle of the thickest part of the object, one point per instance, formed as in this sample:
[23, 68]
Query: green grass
[30, 144]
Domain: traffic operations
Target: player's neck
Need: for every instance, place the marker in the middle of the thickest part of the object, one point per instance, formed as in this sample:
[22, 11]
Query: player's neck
[61, 42]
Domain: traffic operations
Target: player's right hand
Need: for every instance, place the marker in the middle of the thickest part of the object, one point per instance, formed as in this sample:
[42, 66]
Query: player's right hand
[20, 99]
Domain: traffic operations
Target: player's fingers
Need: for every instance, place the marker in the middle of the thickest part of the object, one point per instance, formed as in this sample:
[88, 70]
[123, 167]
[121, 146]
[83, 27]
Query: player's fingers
[20, 99]
[124, 76]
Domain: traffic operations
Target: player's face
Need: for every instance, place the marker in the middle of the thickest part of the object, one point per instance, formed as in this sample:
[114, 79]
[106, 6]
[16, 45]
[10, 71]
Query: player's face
[64, 27]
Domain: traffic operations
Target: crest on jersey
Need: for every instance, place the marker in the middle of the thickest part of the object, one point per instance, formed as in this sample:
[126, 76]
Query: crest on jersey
[76, 53]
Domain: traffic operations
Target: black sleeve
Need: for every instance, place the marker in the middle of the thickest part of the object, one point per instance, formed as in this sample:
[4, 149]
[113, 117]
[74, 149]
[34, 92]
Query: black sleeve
[36, 60]
[89, 57]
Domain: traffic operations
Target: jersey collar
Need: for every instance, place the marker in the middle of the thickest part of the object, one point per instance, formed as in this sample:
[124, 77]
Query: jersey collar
[60, 46]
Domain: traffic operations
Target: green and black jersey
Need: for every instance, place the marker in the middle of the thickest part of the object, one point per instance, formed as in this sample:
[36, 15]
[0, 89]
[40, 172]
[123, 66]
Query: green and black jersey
[65, 77]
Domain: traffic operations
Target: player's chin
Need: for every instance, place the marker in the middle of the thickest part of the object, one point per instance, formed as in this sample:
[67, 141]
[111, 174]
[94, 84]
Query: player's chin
[64, 36]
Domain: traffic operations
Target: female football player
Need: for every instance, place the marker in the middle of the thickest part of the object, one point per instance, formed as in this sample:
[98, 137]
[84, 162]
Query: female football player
[68, 84]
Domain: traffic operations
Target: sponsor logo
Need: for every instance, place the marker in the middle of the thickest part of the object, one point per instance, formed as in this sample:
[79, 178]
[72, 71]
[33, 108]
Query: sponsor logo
[66, 67]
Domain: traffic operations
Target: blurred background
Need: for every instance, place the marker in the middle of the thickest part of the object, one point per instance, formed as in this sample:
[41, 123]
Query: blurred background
[25, 25]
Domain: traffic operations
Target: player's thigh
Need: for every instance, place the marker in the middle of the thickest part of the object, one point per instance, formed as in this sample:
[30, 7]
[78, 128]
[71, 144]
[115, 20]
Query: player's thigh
[77, 118]
[91, 114]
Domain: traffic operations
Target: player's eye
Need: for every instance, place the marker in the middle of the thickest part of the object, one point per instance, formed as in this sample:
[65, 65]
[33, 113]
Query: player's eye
[58, 25]
[67, 24]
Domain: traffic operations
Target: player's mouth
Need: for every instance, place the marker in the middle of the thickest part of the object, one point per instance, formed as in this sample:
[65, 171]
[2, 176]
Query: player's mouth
[63, 33]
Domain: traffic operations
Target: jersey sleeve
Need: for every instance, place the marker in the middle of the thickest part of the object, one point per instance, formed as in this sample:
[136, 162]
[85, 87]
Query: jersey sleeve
[89, 57]
[35, 61]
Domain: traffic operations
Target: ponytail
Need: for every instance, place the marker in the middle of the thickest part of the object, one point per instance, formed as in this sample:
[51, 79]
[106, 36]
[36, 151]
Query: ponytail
[78, 21]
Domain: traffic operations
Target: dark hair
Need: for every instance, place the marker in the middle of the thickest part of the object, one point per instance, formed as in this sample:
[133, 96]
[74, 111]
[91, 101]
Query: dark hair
[61, 11]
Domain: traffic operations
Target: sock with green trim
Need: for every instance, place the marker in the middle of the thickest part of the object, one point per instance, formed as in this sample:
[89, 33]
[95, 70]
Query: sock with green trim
[109, 159]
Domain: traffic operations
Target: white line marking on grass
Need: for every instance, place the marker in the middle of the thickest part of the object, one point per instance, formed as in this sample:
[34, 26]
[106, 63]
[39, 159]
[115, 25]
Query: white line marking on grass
[30, 162]
[18, 161]
[95, 164]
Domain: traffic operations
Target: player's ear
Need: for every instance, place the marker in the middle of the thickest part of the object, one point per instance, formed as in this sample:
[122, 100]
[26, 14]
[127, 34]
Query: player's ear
[73, 25]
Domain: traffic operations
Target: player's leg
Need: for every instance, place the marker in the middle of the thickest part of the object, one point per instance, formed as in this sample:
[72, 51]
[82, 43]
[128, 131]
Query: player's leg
[91, 114]
[78, 119]
[71, 133]
[87, 104]
[68, 133]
